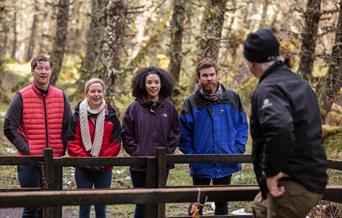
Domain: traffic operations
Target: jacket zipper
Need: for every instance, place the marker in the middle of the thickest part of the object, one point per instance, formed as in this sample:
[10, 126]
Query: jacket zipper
[46, 125]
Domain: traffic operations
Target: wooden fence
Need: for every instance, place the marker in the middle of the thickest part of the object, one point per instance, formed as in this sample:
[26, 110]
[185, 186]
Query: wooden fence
[52, 197]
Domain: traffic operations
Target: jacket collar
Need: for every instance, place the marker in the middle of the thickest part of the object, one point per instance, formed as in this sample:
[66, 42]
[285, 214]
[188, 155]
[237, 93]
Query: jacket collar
[271, 70]
[151, 104]
[221, 95]
[40, 92]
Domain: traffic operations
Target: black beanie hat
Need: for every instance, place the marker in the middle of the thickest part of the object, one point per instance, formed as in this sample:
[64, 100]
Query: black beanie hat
[261, 46]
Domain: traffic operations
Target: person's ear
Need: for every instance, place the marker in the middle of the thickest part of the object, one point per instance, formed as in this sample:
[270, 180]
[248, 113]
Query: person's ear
[253, 65]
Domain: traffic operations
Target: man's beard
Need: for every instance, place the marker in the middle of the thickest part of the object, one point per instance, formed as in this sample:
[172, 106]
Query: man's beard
[210, 88]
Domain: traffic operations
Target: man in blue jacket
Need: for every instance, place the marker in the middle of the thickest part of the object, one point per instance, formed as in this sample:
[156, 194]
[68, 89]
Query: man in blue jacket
[213, 122]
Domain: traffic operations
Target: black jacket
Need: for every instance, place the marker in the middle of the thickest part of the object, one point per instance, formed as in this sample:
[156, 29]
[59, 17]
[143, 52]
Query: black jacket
[286, 130]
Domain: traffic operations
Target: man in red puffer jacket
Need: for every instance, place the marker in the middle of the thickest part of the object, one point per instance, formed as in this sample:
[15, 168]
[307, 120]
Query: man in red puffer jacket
[37, 118]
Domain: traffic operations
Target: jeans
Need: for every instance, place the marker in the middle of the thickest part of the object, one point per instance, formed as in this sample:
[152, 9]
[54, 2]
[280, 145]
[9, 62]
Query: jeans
[30, 177]
[86, 180]
[221, 208]
[139, 181]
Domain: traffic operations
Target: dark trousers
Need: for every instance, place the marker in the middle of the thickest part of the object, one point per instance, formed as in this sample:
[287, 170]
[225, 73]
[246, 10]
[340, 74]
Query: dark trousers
[30, 177]
[87, 180]
[139, 181]
[221, 208]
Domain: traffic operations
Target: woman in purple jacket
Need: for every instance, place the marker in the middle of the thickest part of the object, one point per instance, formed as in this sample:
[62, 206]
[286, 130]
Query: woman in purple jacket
[150, 121]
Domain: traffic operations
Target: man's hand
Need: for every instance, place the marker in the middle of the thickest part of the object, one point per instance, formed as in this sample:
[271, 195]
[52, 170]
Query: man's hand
[258, 197]
[272, 184]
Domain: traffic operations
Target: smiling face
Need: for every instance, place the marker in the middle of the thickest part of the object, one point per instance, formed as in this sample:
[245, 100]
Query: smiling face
[208, 79]
[41, 74]
[95, 95]
[152, 85]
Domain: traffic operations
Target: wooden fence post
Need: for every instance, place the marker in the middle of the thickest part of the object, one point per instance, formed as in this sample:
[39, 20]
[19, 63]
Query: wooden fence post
[151, 182]
[161, 177]
[52, 180]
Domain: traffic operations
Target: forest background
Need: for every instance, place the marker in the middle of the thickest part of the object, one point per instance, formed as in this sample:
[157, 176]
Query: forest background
[111, 39]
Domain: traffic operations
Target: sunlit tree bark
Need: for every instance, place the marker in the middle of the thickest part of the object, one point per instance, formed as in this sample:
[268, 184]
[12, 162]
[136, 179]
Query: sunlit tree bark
[264, 13]
[334, 78]
[177, 28]
[91, 63]
[33, 35]
[309, 38]
[15, 34]
[60, 40]
[114, 34]
[211, 29]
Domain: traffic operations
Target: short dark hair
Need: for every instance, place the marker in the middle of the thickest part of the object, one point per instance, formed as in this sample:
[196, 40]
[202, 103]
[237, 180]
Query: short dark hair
[38, 59]
[204, 64]
[138, 82]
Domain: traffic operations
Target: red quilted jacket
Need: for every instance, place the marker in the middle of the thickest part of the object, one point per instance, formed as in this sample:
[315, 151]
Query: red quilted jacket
[42, 119]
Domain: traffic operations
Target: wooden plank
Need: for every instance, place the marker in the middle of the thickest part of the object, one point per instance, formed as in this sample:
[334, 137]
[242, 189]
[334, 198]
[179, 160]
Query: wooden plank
[20, 160]
[161, 178]
[52, 180]
[133, 196]
[215, 216]
[335, 164]
[103, 161]
[208, 158]
[333, 193]
[151, 182]
[123, 196]
[19, 189]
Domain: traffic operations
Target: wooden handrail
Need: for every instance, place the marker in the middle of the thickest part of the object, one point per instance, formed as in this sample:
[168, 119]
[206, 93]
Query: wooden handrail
[141, 195]
[52, 198]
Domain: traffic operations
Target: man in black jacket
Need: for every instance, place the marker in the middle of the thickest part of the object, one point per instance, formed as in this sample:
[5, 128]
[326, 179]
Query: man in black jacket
[288, 156]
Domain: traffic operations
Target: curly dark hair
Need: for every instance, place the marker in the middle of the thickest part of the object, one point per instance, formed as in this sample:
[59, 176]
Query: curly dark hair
[138, 82]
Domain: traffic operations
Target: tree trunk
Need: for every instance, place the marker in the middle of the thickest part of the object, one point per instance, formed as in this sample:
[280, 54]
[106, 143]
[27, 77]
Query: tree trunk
[2, 91]
[233, 15]
[249, 11]
[4, 40]
[92, 64]
[334, 78]
[60, 41]
[309, 38]
[47, 19]
[114, 34]
[4, 29]
[245, 14]
[2, 36]
[15, 34]
[211, 29]
[32, 42]
[154, 35]
[177, 28]
[264, 13]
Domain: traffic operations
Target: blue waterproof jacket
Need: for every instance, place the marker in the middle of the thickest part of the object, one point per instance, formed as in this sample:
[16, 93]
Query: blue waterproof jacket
[213, 127]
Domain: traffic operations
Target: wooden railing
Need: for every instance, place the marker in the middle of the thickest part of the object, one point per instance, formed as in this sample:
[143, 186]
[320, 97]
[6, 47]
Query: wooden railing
[52, 197]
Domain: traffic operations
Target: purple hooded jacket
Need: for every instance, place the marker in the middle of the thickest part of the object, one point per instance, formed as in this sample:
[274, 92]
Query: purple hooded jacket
[148, 125]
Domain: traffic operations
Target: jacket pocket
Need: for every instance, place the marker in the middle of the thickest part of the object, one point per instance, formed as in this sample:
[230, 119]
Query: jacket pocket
[229, 149]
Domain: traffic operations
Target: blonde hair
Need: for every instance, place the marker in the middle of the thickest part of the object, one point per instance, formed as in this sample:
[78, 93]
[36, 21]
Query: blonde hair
[92, 81]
